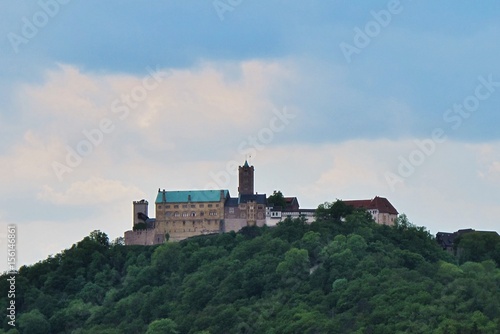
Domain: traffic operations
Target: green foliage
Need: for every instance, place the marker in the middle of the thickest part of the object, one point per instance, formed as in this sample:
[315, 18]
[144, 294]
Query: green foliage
[333, 211]
[478, 246]
[139, 227]
[34, 322]
[162, 326]
[276, 199]
[340, 274]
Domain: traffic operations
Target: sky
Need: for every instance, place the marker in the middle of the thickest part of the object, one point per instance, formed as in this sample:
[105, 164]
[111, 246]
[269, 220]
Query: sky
[105, 102]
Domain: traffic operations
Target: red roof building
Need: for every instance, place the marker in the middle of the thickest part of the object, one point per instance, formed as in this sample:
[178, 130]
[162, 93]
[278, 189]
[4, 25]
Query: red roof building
[382, 211]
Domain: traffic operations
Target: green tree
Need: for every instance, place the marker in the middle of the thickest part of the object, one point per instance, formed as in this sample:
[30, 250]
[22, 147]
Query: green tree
[276, 199]
[119, 241]
[311, 241]
[333, 211]
[163, 326]
[477, 246]
[34, 322]
[100, 238]
[295, 266]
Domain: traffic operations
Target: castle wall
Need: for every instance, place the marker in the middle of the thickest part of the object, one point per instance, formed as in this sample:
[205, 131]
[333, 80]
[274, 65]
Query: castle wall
[144, 237]
[180, 230]
[234, 224]
[386, 218]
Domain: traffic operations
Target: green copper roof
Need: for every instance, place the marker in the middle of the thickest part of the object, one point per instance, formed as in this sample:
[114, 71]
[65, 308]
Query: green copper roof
[246, 164]
[185, 196]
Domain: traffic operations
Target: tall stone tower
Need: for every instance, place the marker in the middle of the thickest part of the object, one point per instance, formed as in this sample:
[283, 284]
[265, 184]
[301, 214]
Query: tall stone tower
[140, 211]
[245, 179]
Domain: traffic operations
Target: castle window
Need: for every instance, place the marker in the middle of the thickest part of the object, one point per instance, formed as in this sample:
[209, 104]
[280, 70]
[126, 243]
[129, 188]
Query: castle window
[176, 206]
[168, 214]
[167, 206]
[210, 205]
[159, 206]
[202, 213]
[176, 214]
[202, 205]
[193, 214]
[184, 214]
[184, 206]
[193, 205]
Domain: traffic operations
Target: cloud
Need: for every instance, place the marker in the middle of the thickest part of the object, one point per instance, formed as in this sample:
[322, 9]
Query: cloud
[185, 107]
[94, 191]
[494, 171]
[27, 163]
[487, 160]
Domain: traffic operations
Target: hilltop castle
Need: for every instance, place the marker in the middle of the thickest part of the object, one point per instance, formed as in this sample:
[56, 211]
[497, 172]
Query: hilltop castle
[187, 213]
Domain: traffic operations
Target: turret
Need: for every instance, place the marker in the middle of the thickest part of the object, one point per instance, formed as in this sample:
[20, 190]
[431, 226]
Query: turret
[140, 211]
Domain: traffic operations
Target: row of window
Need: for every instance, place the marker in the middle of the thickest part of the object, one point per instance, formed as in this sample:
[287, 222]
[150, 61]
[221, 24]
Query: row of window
[191, 230]
[189, 214]
[243, 207]
[185, 206]
[193, 223]
[243, 215]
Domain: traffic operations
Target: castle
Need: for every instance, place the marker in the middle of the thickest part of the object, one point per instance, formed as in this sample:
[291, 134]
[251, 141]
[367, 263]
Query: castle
[188, 213]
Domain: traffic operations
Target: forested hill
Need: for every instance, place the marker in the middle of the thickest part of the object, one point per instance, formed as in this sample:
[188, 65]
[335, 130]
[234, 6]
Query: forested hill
[333, 276]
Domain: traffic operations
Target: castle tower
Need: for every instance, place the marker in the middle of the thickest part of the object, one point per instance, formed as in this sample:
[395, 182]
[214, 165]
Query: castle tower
[245, 179]
[140, 211]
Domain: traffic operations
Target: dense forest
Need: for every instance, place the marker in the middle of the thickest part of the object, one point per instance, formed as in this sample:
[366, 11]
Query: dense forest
[340, 274]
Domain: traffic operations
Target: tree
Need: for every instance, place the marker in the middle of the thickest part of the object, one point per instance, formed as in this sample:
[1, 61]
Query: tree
[477, 246]
[333, 211]
[34, 322]
[295, 266]
[291, 229]
[119, 241]
[276, 199]
[311, 241]
[99, 237]
[162, 326]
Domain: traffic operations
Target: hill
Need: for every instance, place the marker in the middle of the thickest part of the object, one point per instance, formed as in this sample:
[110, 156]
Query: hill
[333, 276]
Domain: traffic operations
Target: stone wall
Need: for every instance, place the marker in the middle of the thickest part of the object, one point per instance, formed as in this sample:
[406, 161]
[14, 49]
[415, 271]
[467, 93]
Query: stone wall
[144, 237]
